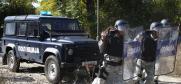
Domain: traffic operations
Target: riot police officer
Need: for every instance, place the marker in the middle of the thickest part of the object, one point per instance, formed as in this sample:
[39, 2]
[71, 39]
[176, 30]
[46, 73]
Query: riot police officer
[115, 52]
[164, 24]
[148, 57]
[113, 40]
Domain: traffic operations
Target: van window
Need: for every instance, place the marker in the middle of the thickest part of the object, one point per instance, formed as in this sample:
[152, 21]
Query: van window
[21, 29]
[32, 29]
[10, 29]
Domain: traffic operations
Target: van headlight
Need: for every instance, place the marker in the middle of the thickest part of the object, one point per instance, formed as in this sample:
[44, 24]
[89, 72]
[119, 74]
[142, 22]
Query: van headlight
[70, 51]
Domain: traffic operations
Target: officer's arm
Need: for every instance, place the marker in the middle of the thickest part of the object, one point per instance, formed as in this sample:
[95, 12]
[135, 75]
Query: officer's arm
[139, 37]
[103, 36]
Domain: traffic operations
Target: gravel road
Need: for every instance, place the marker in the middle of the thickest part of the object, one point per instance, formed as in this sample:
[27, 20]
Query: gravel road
[28, 74]
[34, 74]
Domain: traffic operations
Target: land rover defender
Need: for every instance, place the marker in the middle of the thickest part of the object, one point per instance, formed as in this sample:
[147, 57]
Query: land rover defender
[58, 43]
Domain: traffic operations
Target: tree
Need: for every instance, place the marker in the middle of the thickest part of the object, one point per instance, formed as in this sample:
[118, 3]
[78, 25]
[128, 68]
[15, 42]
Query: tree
[136, 12]
[83, 10]
[48, 5]
[15, 7]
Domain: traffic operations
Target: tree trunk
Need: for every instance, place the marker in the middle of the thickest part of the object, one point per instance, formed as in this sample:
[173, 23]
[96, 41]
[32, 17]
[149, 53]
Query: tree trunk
[91, 16]
[90, 9]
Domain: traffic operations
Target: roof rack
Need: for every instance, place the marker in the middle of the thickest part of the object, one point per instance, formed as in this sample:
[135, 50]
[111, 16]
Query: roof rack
[29, 17]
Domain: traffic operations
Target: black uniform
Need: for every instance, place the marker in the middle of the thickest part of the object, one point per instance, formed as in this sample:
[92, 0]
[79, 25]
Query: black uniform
[114, 51]
[149, 45]
[115, 44]
[146, 61]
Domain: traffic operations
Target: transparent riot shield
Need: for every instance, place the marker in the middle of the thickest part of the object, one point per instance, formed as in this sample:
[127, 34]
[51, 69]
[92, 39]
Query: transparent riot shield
[132, 50]
[166, 51]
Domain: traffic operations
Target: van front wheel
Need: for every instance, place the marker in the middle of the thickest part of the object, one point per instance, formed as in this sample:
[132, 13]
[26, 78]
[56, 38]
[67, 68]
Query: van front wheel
[52, 70]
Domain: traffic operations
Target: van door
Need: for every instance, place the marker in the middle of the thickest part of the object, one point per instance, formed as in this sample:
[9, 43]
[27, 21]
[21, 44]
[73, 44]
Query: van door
[21, 40]
[33, 43]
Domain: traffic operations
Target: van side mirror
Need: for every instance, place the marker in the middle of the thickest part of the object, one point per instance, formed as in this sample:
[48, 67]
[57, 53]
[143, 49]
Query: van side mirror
[40, 37]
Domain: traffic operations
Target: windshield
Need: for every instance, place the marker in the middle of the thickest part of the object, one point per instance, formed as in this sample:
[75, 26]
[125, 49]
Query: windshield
[59, 26]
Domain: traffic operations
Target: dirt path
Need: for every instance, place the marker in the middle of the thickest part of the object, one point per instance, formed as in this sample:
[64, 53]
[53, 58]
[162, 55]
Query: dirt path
[28, 74]
[34, 74]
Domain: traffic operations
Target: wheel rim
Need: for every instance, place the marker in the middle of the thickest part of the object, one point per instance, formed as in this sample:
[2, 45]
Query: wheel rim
[52, 70]
[10, 61]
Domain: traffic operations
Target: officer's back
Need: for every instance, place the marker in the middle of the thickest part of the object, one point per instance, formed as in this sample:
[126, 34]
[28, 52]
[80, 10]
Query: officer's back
[149, 44]
[115, 43]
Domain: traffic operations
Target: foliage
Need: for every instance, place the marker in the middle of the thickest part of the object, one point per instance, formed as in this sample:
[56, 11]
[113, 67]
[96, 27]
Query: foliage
[136, 12]
[49, 5]
[78, 9]
[14, 7]
[167, 9]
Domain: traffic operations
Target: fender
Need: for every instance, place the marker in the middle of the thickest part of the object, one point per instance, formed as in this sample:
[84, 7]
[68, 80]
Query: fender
[12, 46]
[54, 51]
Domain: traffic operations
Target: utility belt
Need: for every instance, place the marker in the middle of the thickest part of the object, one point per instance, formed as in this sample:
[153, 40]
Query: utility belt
[113, 60]
[114, 63]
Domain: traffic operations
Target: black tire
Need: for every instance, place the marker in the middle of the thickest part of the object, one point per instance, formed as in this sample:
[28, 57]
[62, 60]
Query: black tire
[52, 70]
[12, 61]
[156, 81]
